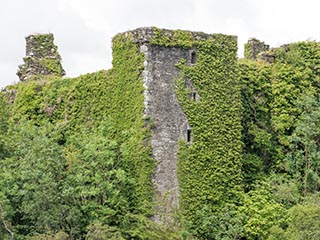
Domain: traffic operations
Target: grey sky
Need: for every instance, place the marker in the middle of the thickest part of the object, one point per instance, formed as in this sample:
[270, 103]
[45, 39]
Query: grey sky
[83, 29]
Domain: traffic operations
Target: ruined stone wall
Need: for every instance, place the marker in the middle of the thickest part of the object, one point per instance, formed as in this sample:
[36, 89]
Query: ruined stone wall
[254, 47]
[42, 57]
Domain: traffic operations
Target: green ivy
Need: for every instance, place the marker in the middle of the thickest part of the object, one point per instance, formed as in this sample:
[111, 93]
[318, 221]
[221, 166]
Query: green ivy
[52, 65]
[177, 38]
[260, 145]
[127, 113]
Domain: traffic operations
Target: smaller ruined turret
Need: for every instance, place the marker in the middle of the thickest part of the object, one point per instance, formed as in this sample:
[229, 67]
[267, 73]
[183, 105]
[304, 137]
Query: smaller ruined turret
[42, 58]
[253, 48]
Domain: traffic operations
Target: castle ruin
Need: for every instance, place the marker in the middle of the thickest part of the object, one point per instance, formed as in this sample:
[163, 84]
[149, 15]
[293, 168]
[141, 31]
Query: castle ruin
[161, 103]
[171, 125]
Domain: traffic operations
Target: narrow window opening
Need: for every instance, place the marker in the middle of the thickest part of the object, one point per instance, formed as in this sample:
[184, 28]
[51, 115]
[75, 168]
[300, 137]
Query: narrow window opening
[194, 95]
[189, 135]
[193, 57]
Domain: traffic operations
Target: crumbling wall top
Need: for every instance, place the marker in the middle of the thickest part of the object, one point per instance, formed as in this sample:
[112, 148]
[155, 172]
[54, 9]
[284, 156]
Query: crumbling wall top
[253, 48]
[42, 57]
[40, 45]
[153, 35]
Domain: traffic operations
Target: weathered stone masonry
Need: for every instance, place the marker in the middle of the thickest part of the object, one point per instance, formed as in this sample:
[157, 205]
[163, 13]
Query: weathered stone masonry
[170, 122]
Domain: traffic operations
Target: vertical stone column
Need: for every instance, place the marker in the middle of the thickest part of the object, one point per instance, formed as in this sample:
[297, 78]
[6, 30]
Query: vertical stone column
[170, 123]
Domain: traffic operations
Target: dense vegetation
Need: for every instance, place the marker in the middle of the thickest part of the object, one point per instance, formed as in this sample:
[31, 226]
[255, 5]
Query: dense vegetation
[75, 158]
[281, 136]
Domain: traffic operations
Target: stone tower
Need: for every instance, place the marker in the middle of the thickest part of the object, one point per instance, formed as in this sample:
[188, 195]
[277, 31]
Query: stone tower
[171, 124]
[42, 57]
[162, 107]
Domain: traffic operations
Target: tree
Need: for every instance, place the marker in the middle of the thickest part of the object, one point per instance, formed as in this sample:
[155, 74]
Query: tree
[95, 182]
[227, 224]
[304, 155]
[262, 212]
[4, 138]
[304, 222]
[100, 232]
[31, 180]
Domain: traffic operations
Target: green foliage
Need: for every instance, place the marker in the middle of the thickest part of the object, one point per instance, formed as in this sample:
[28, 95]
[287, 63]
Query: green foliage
[27, 101]
[280, 123]
[95, 178]
[276, 233]
[80, 152]
[288, 84]
[285, 189]
[227, 224]
[176, 38]
[304, 155]
[30, 180]
[50, 236]
[295, 74]
[75, 157]
[247, 51]
[301, 54]
[271, 109]
[100, 232]
[262, 213]
[259, 142]
[140, 227]
[127, 112]
[52, 65]
[304, 222]
[4, 116]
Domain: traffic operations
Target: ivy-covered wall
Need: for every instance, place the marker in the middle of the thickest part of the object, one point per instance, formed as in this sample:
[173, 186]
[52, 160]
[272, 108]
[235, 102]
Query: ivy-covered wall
[193, 95]
[128, 112]
[253, 48]
[210, 167]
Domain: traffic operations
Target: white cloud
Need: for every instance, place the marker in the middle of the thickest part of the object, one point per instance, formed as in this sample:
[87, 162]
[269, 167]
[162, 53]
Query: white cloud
[279, 22]
[83, 29]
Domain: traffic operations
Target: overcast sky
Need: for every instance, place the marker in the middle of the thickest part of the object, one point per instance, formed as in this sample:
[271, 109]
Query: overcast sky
[83, 29]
